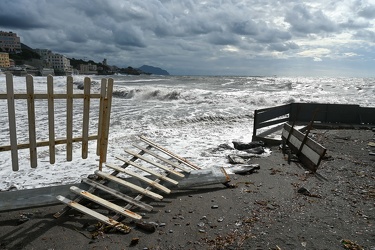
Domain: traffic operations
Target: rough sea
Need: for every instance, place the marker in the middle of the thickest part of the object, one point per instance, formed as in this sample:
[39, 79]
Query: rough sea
[189, 115]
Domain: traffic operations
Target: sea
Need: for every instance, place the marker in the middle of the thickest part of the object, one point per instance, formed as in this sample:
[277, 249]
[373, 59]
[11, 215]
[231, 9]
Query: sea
[188, 115]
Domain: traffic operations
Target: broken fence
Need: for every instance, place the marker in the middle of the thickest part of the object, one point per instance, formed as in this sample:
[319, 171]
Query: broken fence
[104, 97]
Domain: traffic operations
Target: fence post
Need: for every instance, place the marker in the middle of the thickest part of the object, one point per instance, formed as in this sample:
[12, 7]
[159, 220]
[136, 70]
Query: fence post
[69, 118]
[31, 120]
[12, 121]
[51, 119]
[86, 115]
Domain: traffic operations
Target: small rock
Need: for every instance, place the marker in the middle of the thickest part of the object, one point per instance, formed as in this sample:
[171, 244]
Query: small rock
[214, 206]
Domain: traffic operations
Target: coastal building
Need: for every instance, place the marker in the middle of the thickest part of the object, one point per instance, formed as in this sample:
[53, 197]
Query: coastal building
[4, 60]
[10, 42]
[88, 69]
[60, 63]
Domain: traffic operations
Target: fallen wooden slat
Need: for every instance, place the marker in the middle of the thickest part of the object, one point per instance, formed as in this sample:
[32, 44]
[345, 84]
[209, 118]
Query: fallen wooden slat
[160, 176]
[154, 163]
[118, 194]
[139, 177]
[167, 152]
[148, 193]
[162, 158]
[117, 225]
[309, 142]
[105, 203]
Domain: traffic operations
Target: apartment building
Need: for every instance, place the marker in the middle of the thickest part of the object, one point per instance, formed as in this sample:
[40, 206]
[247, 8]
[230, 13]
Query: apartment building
[56, 61]
[4, 60]
[88, 69]
[10, 42]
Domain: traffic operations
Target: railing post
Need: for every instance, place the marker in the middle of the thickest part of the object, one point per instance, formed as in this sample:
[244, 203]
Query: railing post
[31, 120]
[12, 121]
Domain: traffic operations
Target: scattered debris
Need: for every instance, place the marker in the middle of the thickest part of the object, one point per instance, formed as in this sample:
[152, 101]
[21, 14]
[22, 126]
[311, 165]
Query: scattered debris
[235, 159]
[348, 244]
[146, 226]
[134, 242]
[306, 192]
[246, 169]
[244, 146]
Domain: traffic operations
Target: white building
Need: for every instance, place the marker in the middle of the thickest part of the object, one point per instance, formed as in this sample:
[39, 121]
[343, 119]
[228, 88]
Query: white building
[56, 61]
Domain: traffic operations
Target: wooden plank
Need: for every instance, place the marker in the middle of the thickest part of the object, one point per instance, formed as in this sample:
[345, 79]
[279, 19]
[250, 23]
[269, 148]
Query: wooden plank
[69, 118]
[19, 96]
[307, 151]
[31, 120]
[171, 171]
[160, 176]
[117, 225]
[103, 90]
[162, 158]
[12, 121]
[46, 143]
[272, 113]
[118, 194]
[107, 117]
[272, 122]
[309, 142]
[138, 189]
[167, 152]
[51, 120]
[86, 117]
[105, 203]
[139, 177]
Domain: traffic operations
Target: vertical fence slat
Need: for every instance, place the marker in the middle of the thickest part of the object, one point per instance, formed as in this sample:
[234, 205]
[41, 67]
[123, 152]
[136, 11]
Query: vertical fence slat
[51, 120]
[86, 115]
[107, 118]
[12, 121]
[31, 119]
[103, 90]
[69, 118]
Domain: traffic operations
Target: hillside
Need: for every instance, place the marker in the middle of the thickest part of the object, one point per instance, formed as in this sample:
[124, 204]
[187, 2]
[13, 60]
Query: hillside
[153, 70]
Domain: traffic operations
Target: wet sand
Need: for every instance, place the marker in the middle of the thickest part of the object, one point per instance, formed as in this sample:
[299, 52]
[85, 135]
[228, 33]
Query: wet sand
[264, 210]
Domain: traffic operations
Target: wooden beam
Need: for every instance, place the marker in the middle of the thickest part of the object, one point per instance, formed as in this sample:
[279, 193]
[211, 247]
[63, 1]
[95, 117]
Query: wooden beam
[105, 203]
[12, 121]
[136, 188]
[51, 120]
[171, 171]
[160, 176]
[31, 120]
[140, 177]
[118, 194]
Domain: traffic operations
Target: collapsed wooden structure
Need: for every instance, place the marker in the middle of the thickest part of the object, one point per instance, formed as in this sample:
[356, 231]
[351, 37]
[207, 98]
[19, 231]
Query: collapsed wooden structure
[159, 169]
[290, 125]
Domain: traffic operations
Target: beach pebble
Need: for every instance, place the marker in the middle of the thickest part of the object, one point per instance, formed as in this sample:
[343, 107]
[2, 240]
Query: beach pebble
[214, 206]
[220, 219]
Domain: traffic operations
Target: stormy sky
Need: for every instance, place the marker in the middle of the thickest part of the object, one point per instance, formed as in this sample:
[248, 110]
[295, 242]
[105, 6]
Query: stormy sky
[216, 37]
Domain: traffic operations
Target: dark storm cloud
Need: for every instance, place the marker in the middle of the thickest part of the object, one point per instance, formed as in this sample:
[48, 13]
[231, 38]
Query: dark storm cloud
[15, 16]
[191, 34]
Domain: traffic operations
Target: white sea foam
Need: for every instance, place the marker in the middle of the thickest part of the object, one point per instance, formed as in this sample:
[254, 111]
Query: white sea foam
[191, 116]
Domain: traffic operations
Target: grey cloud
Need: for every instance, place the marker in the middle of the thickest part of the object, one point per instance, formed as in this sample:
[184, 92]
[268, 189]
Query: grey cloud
[304, 20]
[20, 16]
[366, 35]
[248, 27]
[283, 46]
[367, 12]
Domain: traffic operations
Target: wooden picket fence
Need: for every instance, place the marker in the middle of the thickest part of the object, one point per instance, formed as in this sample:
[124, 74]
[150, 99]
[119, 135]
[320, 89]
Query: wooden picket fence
[105, 101]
